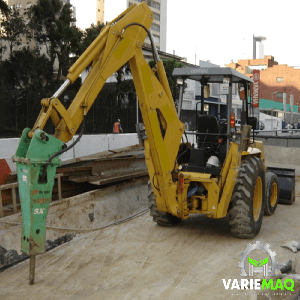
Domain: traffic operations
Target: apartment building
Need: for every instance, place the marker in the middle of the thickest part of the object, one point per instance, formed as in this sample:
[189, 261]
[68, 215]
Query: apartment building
[100, 11]
[111, 9]
[22, 5]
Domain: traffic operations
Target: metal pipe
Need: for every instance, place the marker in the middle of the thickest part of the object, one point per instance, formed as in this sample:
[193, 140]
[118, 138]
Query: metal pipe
[32, 269]
[180, 100]
[61, 89]
[137, 110]
[202, 99]
[229, 107]
[197, 115]
[155, 53]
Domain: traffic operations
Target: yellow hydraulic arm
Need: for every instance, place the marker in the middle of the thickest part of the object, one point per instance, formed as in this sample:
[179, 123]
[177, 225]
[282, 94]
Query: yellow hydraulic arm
[120, 42]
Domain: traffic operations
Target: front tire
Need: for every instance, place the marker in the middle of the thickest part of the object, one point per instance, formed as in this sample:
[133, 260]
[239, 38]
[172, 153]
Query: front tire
[161, 218]
[272, 190]
[248, 199]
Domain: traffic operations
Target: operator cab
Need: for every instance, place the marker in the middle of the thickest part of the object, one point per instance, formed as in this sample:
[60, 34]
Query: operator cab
[213, 131]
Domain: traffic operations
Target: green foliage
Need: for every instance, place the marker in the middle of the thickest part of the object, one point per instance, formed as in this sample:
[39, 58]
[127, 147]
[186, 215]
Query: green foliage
[26, 76]
[3, 7]
[88, 36]
[14, 28]
[26, 69]
[50, 23]
[170, 65]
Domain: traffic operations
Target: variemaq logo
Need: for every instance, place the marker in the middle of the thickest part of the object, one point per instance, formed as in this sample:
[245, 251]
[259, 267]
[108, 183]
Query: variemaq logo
[266, 267]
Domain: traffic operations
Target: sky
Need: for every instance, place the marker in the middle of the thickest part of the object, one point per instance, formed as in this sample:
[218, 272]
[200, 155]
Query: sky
[221, 31]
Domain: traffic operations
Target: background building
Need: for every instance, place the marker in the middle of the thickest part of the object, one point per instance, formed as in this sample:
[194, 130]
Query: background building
[279, 92]
[159, 25]
[100, 11]
[22, 5]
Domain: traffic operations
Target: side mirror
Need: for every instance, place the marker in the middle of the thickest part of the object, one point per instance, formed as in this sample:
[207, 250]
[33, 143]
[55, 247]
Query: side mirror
[252, 121]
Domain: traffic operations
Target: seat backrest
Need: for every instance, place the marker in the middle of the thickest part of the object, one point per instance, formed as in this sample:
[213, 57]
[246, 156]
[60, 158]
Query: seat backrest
[208, 124]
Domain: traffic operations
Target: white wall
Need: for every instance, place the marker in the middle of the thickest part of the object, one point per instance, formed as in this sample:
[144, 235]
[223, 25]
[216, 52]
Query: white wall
[88, 144]
[270, 122]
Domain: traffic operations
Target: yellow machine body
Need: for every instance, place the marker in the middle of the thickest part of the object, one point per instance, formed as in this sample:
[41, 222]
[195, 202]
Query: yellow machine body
[120, 42]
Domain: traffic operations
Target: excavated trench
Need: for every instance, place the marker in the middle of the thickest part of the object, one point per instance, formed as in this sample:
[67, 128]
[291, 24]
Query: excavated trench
[92, 210]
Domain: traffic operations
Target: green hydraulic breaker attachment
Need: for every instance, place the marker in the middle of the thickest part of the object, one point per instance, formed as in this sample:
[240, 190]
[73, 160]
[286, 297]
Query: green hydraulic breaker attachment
[36, 175]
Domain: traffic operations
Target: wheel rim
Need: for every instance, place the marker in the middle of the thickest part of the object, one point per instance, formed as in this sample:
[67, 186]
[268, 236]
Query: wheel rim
[257, 199]
[274, 192]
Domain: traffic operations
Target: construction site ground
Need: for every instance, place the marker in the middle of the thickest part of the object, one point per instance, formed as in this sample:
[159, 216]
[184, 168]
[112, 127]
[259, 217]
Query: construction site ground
[138, 259]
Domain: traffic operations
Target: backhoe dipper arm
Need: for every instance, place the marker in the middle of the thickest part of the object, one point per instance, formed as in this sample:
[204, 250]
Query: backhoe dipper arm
[119, 42]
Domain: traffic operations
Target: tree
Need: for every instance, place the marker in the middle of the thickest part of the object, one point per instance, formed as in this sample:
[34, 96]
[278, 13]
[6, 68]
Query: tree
[26, 70]
[14, 29]
[4, 7]
[88, 36]
[51, 24]
[27, 73]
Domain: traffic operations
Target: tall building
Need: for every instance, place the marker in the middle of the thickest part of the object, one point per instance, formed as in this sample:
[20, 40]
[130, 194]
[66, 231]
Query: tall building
[112, 9]
[24, 4]
[100, 11]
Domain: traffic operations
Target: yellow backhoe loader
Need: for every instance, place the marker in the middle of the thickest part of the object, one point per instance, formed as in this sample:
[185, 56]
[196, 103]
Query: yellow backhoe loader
[222, 173]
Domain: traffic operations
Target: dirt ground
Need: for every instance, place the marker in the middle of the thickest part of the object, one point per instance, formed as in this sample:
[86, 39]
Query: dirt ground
[140, 260]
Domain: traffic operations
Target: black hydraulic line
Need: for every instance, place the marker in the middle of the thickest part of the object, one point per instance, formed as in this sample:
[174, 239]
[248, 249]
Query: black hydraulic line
[149, 34]
[45, 166]
[197, 115]
[202, 99]
[186, 137]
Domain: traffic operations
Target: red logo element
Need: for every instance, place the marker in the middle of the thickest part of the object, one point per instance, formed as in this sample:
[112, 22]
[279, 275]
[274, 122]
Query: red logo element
[35, 192]
[255, 89]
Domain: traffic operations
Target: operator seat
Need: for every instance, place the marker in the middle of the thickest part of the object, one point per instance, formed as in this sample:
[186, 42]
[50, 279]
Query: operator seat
[207, 124]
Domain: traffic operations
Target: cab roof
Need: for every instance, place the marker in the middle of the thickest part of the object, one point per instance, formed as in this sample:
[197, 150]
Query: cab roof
[212, 75]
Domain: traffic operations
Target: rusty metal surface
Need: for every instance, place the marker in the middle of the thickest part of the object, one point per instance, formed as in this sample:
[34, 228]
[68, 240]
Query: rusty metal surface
[114, 164]
[112, 177]
[106, 167]
[31, 269]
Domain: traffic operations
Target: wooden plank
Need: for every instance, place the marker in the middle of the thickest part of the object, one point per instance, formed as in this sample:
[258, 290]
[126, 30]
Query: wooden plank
[9, 186]
[111, 175]
[14, 199]
[1, 207]
[117, 165]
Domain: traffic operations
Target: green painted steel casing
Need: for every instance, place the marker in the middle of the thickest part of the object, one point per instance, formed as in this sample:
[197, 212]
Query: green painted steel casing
[35, 195]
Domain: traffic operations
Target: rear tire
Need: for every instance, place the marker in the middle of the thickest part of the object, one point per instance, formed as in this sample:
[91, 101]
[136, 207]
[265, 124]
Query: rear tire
[160, 217]
[272, 193]
[248, 199]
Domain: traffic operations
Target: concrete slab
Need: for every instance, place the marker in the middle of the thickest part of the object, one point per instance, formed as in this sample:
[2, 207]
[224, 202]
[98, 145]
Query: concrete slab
[140, 260]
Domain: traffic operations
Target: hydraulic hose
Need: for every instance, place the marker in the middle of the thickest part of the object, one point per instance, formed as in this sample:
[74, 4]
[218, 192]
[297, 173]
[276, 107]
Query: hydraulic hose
[154, 52]
[45, 166]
